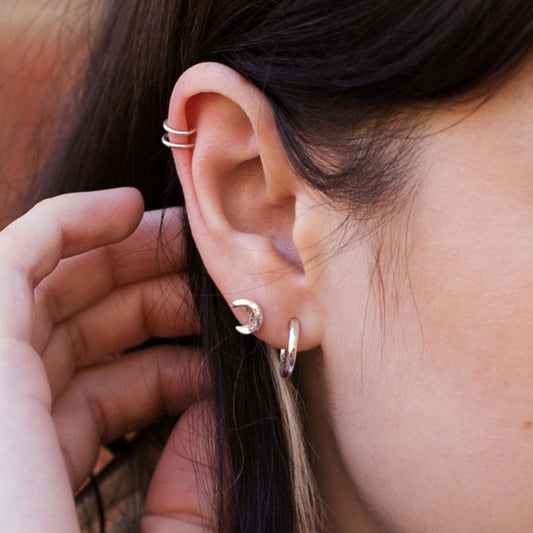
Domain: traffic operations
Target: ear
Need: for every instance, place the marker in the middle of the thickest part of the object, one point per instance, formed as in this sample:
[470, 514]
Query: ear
[252, 217]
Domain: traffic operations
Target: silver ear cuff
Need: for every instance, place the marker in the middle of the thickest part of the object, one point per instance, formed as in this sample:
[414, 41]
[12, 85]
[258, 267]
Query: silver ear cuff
[287, 358]
[166, 139]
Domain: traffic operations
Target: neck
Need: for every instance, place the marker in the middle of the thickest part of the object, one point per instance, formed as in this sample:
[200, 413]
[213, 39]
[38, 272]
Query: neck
[344, 509]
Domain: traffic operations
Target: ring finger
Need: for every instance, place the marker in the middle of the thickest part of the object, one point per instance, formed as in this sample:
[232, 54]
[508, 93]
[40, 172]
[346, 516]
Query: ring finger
[127, 317]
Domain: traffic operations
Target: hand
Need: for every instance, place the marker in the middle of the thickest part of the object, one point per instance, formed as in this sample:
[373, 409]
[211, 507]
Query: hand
[180, 495]
[75, 289]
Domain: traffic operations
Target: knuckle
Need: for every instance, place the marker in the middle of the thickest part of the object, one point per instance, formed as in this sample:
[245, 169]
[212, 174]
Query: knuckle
[8, 245]
[147, 309]
[44, 205]
[99, 415]
[47, 217]
[83, 388]
[77, 339]
[46, 298]
[14, 278]
[112, 262]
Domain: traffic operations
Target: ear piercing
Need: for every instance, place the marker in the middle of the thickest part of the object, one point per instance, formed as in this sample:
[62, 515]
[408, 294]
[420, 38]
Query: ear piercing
[255, 316]
[287, 358]
[169, 129]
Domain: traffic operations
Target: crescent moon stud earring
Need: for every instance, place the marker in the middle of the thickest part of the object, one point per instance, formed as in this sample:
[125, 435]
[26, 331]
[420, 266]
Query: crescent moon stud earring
[287, 357]
[255, 316]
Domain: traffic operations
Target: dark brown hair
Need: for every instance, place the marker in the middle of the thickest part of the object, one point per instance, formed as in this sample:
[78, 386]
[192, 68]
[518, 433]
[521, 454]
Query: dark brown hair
[336, 73]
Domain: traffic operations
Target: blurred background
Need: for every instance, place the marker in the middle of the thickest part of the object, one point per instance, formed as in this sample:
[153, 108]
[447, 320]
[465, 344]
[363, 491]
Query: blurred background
[41, 42]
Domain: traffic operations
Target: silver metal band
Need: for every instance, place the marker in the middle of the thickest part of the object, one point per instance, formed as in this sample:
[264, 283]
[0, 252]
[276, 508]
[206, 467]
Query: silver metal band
[170, 129]
[166, 139]
[287, 358]
[169, 144]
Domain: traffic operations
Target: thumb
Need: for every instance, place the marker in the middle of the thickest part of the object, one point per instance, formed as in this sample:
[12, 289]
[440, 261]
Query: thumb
[181, 494]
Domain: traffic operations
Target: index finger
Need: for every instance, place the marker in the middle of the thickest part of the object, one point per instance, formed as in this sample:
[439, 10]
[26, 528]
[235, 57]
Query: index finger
[68, 225]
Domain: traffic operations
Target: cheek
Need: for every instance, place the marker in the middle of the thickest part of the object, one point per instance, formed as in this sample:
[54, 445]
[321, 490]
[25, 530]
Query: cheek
[438, 431]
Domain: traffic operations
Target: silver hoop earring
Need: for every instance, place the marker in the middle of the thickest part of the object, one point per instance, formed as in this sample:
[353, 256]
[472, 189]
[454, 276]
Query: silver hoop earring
[166, 139]
[255, 316]
[287, 358]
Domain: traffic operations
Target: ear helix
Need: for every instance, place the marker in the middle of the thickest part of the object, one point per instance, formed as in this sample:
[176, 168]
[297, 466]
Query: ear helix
[287, 357]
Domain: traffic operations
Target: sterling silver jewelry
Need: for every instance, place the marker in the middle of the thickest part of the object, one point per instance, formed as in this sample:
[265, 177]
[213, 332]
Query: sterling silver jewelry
[287, 358]
[166, 139]
[255, 316]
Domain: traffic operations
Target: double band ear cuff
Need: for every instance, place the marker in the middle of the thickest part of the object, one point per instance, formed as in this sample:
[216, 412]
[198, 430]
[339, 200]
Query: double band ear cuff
[169, 129]
[287, 358]
[255, 316]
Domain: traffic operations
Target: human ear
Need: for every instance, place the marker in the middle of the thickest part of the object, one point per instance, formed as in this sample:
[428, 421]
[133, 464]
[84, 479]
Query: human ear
[250, 215]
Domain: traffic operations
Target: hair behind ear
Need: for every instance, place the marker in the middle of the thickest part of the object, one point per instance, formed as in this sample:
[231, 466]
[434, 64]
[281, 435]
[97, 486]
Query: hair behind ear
[249, 440]
[243, 369]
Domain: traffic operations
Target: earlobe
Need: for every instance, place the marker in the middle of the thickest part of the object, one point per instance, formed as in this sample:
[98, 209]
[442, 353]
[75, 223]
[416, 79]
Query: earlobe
[242, 195]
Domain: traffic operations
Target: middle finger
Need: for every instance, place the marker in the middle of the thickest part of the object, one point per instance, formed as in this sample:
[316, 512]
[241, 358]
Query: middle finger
[154, 249]
[127, 317]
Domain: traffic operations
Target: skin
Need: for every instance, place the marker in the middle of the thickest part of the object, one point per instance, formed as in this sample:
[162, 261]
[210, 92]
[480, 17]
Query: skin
[418, 389]
[429, 395]
[82, 271]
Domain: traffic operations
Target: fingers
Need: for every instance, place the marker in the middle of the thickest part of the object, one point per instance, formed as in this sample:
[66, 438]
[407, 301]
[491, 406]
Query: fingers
[181, 493]
[106, 401]
[154, 249]
[68, 225]
[183, 523]
[128, 316]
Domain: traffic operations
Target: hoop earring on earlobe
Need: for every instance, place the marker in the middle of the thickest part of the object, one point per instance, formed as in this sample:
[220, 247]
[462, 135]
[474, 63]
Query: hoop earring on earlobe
[255, 316]
[287, 358]
[169, 129]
